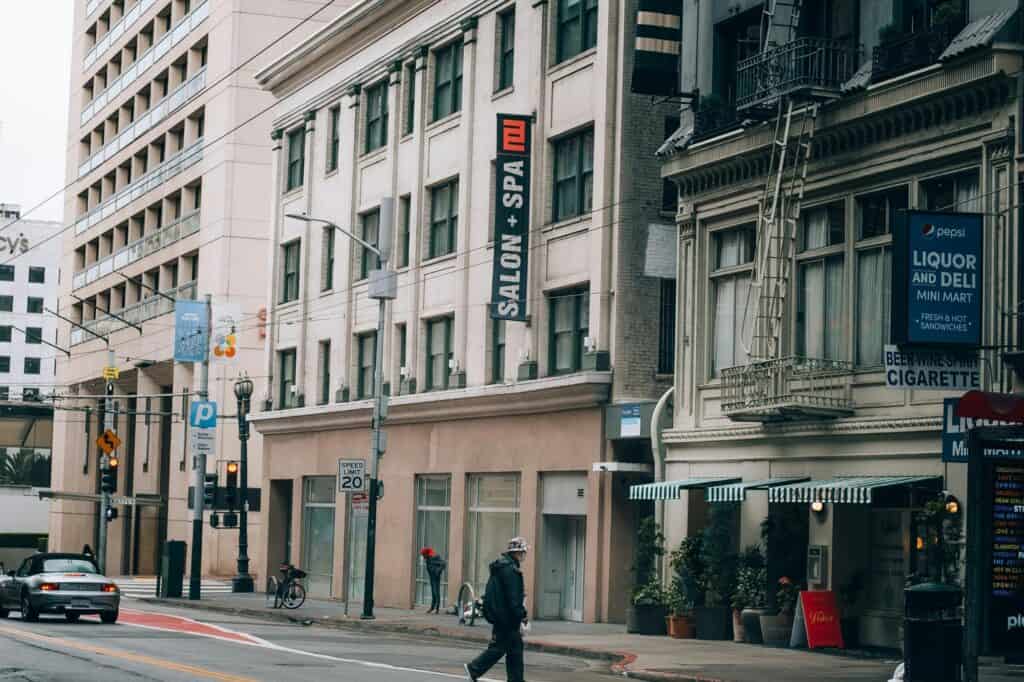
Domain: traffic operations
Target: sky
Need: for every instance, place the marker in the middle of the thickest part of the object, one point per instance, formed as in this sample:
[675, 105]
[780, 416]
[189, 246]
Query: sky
[35, 53]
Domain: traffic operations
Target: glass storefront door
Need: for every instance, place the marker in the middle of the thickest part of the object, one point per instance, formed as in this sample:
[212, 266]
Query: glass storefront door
[492, 518]
[433, 514]
[318, 534]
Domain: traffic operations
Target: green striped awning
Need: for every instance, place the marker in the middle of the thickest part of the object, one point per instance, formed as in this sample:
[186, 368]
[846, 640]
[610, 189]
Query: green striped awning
[669, 490]
[737, 492]
[844, 489]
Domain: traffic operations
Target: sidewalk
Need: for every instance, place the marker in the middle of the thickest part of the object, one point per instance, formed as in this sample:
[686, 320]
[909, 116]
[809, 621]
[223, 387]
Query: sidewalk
[632, 656]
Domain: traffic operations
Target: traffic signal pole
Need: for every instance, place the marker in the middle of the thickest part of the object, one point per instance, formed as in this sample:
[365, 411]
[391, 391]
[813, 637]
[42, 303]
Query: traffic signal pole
[198, 478]
[108, 424]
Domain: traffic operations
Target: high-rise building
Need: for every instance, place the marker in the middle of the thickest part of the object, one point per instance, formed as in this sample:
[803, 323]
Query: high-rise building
[169, 175]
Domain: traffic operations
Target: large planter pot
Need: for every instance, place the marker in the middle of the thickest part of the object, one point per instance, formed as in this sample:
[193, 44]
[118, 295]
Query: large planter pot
[646, 620]
[752, 625]
[714, 622]
[737, 626]
[681, 627]
[775, 630]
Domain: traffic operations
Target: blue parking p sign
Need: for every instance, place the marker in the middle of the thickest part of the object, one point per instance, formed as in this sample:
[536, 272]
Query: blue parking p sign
[203, 415]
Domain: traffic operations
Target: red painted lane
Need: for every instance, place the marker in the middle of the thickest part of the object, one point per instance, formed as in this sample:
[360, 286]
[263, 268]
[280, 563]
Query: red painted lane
[160, 621]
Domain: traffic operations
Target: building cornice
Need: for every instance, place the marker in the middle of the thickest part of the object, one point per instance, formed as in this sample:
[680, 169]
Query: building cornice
[552, 394]
[760, 432]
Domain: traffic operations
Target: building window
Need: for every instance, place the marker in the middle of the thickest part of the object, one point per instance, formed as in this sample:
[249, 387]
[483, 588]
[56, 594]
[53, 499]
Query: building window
[732, 259]
[493, 517]
[286, 397]
[402, 341]
[404, 229]
[574, 175]
[334, 141]
[296, 158]
[5, 392]
[34, 305]
[506, 49]
[568, 325]
[820, 313]
[957, 193]
[32, 365]
[30, 394]
[370, 233]
[33, 335]
[6, 273]
[366, 351]
[409, 121]
[444, 218]
[433, 513]
[667, 327]
[439, 352]
[577, 27]
[36, 275]
[290, 271]
[735, 39]
[6, 304]
[5, 333]
[5, 363]
[376, 116]
[447, 80]
[497, 351]
[327, 247]
[324, 371]
[876, 215]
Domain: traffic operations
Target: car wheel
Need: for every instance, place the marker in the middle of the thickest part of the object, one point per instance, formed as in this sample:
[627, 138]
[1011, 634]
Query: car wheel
[72, 617]
[28, 613]
[109, 617]
[4, 613]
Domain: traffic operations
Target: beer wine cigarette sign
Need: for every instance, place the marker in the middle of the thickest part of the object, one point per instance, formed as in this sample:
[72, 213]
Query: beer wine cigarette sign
[511, 218]
[937, 279]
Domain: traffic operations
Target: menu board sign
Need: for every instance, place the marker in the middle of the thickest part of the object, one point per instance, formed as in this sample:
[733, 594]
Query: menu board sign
[1007, 611]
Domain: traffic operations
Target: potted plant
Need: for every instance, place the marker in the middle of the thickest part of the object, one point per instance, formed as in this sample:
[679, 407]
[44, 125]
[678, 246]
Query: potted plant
[849, 621]
[646, 615]
[714, 618]
[679, 622]
[749, 601]
[776, 629]
[686, 589]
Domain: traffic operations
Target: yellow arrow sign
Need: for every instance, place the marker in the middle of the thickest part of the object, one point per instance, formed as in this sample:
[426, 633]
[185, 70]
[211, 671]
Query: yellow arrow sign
[108, 441]
[111, 373]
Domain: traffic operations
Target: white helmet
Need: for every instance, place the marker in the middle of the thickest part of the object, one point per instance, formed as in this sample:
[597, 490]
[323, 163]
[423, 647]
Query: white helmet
[517, 544]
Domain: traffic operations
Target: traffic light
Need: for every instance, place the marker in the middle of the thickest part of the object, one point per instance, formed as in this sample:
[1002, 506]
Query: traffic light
[231, 491]
[209, 491]
[108, 477]
[215, 520]
[111, 513]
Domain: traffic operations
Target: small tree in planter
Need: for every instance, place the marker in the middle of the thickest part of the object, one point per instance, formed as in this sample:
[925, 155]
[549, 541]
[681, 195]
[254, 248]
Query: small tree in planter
[713, 618]
[646, 616]
[687, 588]
[776, 629]
[749, 600]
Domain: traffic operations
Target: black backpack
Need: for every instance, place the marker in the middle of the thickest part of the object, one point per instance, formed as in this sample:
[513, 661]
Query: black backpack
[492, 596]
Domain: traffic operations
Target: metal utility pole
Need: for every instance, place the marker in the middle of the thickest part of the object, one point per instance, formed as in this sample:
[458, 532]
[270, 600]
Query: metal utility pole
[108, 425]
[198, 473]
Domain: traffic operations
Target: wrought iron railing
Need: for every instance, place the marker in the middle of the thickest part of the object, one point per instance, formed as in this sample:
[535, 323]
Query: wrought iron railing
[137, 313]
[712, 118]
[909, 51]
[788, 388]
[812, 65]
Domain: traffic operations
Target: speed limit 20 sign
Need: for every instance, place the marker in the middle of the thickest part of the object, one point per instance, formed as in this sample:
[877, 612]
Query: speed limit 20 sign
[352, 476]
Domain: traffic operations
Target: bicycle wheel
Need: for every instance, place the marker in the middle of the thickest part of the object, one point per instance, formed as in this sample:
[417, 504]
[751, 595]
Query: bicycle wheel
[294, 596]
[465, 605]
[272, 588]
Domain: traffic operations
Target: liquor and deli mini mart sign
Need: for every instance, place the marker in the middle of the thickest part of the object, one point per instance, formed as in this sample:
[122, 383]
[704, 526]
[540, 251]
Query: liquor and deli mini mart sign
[937, 279]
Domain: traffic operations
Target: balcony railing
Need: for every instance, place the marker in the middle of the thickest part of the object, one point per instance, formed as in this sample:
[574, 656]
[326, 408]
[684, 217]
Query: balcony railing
[713, 118]
[144, 310]
[91, 6]
[812, 67]
[787, 389]
[181, 161]
[911, 51]
[166, 106]
[138, 249]
[116, 31]
[148, 58]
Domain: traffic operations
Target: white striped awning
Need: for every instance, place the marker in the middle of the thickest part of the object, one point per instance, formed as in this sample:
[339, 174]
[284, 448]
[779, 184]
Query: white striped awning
[844, 489]
[669, 490]
[737, 492]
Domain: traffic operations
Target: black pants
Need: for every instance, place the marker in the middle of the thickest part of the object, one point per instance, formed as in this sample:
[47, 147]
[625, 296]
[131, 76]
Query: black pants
[435, 591]
[503, 643]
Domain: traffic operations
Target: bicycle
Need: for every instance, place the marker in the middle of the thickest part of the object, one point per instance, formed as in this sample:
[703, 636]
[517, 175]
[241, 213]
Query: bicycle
[287, 592]
[467, 606]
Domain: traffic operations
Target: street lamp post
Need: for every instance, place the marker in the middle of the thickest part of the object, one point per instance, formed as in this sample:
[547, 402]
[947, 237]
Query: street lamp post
[243, 581]
[383, 286]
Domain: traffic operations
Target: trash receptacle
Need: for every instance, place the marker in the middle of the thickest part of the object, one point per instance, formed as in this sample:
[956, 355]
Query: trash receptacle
[172, 570]
[932, 633]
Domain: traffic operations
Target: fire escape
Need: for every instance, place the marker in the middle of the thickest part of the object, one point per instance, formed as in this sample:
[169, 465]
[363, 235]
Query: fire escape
[784, 84]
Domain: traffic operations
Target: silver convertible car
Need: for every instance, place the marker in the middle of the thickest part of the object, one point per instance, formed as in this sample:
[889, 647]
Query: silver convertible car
[68, 584]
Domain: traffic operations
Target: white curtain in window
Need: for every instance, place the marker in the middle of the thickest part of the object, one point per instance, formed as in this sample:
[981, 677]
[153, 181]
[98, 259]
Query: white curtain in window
[813, 293]
[967, 199]
[873, 269]
[816, 228]
[731, 296]
[835, 331]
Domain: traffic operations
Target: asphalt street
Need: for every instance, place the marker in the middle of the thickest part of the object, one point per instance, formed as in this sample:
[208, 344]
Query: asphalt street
[157, 643]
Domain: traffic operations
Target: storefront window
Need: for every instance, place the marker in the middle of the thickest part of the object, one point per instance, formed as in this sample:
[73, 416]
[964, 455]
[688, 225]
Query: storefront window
[433, 518]
[318, 534]
[492, 518]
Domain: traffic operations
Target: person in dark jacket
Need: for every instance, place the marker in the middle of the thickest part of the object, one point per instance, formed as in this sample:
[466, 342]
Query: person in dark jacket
[435, 567]
[505, 608]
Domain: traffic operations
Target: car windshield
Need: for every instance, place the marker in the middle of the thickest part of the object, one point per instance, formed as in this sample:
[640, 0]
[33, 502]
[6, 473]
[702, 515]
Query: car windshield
[68, 566]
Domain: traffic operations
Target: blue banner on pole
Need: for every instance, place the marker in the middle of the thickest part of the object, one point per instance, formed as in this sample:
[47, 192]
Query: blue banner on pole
[191, 331]
[937, 279]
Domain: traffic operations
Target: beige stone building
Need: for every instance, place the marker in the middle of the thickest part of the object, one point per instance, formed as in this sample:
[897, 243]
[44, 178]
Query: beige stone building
[495, 429]
[168, 177]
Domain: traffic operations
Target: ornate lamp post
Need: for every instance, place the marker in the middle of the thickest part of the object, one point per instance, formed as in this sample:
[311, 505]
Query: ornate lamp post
[243, 581]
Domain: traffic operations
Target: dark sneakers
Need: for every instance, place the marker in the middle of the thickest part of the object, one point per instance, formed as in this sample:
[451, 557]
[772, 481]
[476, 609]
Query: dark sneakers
[468, 673]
